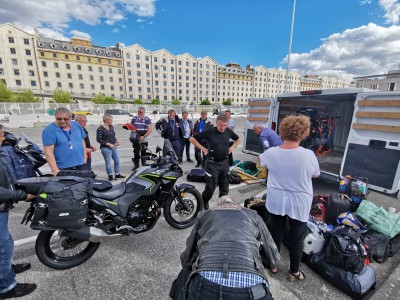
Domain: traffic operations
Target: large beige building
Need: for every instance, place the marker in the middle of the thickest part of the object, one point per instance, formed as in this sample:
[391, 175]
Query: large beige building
[381, 82]
[31, 61]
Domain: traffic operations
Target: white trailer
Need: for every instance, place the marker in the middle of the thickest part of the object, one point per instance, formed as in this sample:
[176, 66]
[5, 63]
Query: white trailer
[366, 133]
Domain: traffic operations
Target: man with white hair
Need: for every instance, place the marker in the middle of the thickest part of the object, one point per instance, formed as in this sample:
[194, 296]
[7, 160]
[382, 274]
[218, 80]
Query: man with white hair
[269, 138]
[226, 252]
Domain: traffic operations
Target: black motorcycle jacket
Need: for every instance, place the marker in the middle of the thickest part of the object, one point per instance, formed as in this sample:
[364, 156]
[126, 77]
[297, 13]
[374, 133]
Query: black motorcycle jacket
[7, 192]
[229, 238]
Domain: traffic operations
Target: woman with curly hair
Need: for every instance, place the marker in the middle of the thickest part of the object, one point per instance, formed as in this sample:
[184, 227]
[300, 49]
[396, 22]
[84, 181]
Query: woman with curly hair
[290, 191]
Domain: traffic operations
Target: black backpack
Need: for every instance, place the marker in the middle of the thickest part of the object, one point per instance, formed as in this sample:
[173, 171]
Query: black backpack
[345, 249]
[377, 243]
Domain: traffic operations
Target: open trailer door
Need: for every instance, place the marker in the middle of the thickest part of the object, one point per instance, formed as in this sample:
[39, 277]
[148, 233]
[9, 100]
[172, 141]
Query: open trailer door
[259, 111]
[373, 146]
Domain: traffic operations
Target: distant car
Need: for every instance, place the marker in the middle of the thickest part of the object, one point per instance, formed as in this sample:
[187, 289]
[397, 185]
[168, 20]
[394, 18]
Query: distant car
[83, 112]
[119, 112]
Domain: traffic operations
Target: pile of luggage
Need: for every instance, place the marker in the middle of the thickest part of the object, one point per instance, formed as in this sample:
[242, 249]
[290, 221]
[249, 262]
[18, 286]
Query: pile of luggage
[346, 233]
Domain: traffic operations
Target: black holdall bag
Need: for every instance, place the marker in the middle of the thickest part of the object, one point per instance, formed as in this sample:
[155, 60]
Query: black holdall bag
[345, 249]
[78, 173]
[62, 203]
[196, 175]
[353, 284]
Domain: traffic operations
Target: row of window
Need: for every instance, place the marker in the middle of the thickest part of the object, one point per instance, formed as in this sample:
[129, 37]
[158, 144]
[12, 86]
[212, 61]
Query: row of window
[79, 67]
[77, 57]
[11, 40]
[172, 61]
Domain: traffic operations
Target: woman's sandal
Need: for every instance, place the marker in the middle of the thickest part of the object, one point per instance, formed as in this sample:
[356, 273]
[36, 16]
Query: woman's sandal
[300, 276]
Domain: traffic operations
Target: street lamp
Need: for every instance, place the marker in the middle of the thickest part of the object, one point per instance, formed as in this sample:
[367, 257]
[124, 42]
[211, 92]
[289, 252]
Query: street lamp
[290, 47]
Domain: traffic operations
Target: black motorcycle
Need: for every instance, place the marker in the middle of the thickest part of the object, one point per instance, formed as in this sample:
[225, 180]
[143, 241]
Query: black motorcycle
[127, 208]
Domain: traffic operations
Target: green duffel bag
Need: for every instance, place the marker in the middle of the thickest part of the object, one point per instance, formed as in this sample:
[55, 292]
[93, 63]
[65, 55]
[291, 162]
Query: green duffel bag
[379, 219]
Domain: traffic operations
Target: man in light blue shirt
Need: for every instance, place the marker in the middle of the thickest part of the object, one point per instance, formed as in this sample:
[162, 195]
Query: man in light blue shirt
[269, 138]
[188, 128]
[64, 144]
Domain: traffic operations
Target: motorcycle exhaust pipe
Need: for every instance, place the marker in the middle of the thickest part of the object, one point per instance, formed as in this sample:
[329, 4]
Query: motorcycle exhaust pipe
[91, 234]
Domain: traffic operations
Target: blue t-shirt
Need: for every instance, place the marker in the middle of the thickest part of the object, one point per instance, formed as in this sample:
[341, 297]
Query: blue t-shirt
[270, 138]
[61, 139]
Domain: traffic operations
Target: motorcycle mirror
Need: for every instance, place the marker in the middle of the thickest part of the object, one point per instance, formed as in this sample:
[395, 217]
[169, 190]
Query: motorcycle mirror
[158, 149]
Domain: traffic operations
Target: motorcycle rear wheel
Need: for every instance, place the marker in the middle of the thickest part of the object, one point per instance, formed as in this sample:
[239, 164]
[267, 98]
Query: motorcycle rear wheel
[51, 250]
[176, 216]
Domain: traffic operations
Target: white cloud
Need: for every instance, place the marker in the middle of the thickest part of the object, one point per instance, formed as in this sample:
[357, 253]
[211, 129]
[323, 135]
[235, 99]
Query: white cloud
[115, 30]
[140, 20]
[80, 34]
[392, 10]
[361, 51]
[56, 15]
[365, 2]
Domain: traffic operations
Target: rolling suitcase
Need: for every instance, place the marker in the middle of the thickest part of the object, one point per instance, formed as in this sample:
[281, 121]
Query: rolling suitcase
[196, 175]
[337, 203]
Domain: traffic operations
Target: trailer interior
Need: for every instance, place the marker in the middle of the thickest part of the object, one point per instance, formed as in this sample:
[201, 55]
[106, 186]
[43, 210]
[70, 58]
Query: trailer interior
[331, 117]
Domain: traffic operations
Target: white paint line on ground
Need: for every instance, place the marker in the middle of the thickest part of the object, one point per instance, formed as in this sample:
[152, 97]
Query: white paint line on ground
[25, 240]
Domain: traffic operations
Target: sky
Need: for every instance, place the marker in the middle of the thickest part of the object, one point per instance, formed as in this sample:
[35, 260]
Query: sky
[341, 38]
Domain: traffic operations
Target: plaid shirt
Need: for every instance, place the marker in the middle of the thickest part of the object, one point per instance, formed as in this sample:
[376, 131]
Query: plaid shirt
[234, 279]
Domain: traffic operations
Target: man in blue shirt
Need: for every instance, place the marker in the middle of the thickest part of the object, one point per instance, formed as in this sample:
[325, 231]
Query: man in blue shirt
[269, 138]
[64, 144]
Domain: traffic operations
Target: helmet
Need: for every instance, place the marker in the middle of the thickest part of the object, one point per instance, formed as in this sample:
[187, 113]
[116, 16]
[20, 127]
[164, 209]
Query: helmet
[10, 140]
[352, 220]
[134, 137]
[313, 243]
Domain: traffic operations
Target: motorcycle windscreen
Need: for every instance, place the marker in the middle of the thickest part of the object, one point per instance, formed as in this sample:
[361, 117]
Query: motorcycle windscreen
[168, 149]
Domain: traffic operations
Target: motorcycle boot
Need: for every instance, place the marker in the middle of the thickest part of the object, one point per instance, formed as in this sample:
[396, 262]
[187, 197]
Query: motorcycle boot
[143, 159]
[135, 163]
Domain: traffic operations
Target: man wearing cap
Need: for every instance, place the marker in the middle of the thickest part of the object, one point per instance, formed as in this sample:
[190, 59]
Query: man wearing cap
[144, 128]
[201, 124]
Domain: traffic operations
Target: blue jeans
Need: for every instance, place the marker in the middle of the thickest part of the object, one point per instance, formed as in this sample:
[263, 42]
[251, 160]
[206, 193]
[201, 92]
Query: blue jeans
[111, 154]
[7, 275]
[203, 289]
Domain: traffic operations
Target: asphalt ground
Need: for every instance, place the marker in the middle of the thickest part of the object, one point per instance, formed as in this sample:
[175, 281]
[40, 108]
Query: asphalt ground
[143, 266]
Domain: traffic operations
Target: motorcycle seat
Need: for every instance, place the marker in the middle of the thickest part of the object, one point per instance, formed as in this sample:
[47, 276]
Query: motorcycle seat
[111, 194]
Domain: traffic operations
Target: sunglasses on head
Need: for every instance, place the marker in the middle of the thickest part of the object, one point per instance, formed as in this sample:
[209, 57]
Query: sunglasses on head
[62, 119]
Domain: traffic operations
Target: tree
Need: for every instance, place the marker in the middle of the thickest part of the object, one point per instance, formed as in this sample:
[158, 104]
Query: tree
[61, 96]
[227, 102]
[175, 102]
[101, 99]
[155, 101]
[205, 102]
[25, 96]
[138, 101]
[5, 93]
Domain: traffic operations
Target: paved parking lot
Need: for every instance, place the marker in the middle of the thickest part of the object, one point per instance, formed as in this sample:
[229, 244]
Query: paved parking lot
[143, 266]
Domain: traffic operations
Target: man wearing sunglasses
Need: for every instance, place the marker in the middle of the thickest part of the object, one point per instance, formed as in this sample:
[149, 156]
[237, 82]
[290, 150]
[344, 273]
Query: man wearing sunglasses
[143, 125]
[64, 144]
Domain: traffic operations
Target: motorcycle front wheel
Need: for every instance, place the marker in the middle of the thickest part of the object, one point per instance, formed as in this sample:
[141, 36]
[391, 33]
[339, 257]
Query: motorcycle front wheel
[61, 252]
[177, 216]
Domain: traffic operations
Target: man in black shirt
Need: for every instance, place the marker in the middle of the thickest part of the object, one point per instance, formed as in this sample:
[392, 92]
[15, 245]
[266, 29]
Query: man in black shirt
[217, 165]
[82, 120]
